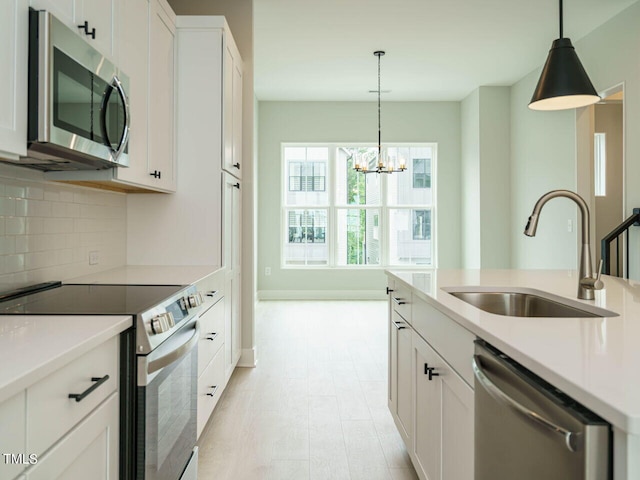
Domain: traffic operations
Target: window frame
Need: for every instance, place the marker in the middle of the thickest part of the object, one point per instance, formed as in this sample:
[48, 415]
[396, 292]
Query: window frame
[332, 207]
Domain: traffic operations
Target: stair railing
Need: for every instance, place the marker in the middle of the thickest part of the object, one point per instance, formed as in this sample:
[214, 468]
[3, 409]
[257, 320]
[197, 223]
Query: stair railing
[605, 244]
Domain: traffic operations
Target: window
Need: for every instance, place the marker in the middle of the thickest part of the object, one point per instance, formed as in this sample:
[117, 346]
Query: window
[334, 216]
[421, 173]
[600, 164]
[307, 176]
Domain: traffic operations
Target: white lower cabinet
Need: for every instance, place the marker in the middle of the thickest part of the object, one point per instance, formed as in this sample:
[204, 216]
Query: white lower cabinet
[210, 386]
[431, 403]
[49, 435]
[12, 434]
[90, 450]
[442, 446]
[400, 375]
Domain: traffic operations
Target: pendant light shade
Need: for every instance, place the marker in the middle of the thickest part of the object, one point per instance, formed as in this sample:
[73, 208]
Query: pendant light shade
[563, 83]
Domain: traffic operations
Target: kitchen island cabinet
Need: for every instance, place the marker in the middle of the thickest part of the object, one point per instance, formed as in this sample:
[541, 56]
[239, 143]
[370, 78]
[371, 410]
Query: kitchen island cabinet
[432, 406]
[593, 360]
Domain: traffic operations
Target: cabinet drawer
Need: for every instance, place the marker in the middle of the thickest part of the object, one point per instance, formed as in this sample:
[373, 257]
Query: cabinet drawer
[12, 433]
[52, 413]
[210, 386]
[448, 338]
[211, 334]
[89, 451]
[400, 299]
[212, 287]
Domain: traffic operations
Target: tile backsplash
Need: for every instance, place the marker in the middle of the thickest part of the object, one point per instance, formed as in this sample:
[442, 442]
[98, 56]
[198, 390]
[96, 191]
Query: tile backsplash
[48, 229]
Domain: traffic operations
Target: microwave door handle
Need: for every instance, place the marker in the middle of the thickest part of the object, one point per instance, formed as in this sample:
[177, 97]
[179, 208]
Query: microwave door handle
[124, 139]
[491, 388]
[103, 118]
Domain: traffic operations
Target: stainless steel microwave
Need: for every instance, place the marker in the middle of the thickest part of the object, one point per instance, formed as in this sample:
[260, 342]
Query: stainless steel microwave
[78, 115]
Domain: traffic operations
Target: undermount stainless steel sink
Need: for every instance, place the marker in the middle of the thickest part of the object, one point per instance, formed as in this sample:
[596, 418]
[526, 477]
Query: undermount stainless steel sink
[520, 304]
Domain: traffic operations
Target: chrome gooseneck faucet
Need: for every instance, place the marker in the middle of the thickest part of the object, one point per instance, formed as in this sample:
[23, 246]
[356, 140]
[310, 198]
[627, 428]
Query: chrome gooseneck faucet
[587, 283]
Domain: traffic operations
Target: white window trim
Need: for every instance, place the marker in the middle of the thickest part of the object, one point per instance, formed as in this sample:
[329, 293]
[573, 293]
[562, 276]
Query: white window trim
[333, 207]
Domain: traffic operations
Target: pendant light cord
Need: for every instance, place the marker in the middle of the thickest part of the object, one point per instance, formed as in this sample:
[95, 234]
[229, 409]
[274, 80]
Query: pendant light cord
[379, 127]
[561, 33]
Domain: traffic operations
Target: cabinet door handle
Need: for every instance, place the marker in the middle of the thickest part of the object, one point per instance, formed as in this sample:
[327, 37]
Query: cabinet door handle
[156, 174]
[389, 290]
[237, 185]
[81, 396]
[85, 26]
[237, 165]
[398, 325]
[213, 336]
[212, 393]
[430, 371]
[212, 293]
[399, 301]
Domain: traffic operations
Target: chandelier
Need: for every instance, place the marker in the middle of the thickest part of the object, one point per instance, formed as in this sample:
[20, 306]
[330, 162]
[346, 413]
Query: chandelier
[383, 164]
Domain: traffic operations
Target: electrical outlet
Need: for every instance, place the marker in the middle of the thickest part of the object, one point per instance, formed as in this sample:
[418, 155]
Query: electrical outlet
[267, 271]
[94, 257]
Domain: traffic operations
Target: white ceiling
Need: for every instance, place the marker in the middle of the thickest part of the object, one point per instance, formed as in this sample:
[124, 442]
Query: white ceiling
[322, 50]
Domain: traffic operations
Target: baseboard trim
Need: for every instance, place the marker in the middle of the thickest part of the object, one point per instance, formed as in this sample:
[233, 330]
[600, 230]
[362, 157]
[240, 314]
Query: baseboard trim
[248, 358]
[321, 295]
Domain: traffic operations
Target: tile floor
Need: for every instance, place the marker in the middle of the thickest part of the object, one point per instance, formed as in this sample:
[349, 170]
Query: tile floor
[315, 407]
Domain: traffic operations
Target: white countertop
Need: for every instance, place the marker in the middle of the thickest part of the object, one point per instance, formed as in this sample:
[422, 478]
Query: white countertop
[33, 346]
[594, 360]
[149, 275]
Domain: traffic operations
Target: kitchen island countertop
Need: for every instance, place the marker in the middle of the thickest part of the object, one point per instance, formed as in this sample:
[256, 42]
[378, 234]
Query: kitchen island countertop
[594, 360]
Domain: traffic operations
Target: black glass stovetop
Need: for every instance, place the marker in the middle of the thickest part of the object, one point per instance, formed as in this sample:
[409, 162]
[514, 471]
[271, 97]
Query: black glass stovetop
[68, 299]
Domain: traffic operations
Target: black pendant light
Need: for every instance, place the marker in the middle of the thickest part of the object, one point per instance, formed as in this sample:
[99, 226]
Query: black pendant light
[563, 83]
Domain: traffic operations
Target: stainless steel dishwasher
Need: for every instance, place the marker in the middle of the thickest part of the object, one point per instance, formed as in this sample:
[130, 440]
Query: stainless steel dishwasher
[526, 429]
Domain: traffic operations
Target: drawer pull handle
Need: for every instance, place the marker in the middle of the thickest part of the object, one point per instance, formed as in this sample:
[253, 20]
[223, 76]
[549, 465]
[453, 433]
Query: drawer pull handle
[81, 396]
[398, 325]
[211, 394]
[213, 335]
[399, 301]
[212, 293]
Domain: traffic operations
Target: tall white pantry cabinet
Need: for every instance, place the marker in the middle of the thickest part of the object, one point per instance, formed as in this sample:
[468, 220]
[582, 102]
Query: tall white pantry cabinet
[200, 223]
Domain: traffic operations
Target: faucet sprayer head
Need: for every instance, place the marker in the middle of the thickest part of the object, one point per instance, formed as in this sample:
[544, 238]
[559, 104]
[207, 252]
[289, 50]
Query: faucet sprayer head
[532, 225]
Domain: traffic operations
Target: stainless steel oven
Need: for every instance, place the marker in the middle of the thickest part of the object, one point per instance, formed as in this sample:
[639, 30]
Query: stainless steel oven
[78, 108]
[167, 389]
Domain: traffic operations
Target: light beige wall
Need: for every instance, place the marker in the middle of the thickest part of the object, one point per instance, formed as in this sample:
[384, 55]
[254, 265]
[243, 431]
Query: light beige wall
[353, 122]
[470, 179]
[486, 189]
[495, 187]
[609, 213]
[47, 229]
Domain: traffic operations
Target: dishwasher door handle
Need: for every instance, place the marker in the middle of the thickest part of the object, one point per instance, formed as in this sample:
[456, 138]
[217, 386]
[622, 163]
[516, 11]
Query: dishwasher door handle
[570, 438]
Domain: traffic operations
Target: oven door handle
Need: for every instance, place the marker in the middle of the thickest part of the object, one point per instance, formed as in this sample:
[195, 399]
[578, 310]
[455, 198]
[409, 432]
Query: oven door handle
[176, 354]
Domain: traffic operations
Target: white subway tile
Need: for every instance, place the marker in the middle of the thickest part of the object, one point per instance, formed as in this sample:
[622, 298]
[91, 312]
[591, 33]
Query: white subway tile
[7, 245]
[15, 225]
[21, 207]
[52, 195]
[34, 225]
[66, 196]
[14, 263]
[7, 206]
[15, 191]
[35, 193]
[2, 225]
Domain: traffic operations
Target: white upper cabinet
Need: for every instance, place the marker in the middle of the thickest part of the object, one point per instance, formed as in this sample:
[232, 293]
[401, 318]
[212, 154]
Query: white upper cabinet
[14, 22]
[161, 152]
[232, 108]
[99, 16]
